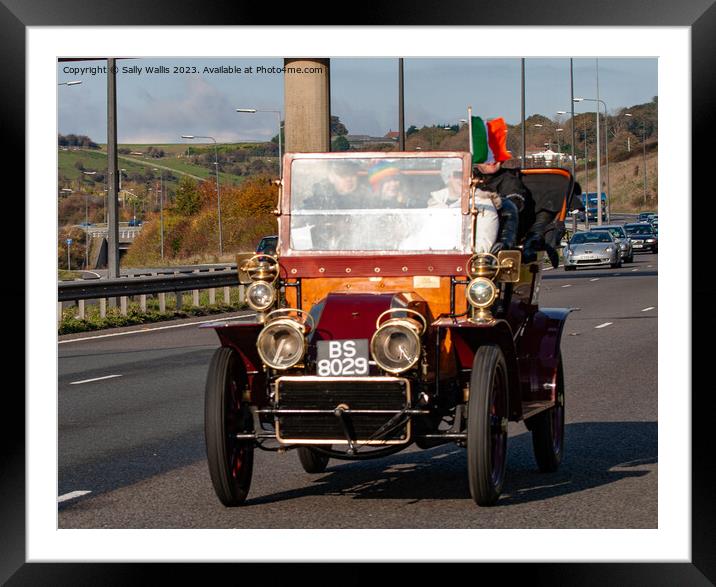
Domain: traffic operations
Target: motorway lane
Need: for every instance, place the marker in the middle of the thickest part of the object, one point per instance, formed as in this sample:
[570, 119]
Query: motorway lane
[153, 474]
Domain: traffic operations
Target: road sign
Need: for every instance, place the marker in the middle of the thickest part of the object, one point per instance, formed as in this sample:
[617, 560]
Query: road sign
[69, 241]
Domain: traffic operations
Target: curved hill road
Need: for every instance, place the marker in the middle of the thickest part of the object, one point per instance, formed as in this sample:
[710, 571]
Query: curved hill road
[135, 441]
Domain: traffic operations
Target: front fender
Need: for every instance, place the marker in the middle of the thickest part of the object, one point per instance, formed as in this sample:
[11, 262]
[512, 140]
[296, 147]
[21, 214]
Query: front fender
[538, 352]
[241, 337]
[467, 336]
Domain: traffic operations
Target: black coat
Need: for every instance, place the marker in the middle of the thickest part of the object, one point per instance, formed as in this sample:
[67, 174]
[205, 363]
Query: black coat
[506, 182]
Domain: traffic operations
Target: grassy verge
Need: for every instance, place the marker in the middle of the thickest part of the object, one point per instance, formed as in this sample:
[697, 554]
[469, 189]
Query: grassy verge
[64, 275]
[71, 323]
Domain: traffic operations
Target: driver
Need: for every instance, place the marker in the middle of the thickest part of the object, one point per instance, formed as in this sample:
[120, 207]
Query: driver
[342, 190]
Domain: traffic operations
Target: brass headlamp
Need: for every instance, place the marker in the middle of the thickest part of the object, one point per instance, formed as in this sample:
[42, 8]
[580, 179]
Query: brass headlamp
[484, 269]
[263, 271]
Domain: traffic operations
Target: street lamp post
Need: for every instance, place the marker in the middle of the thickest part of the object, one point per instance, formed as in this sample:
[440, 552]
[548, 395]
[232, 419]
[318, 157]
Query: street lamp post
[606, 157]
[280, 149]
[87, 222]
[161, 212]
[536, 126]
[643, 142]
[218, 192]
[586, 179]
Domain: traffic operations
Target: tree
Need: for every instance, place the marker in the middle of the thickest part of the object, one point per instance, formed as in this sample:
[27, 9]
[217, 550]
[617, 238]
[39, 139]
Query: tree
[340, 143]
[337, 127]
[188, 199]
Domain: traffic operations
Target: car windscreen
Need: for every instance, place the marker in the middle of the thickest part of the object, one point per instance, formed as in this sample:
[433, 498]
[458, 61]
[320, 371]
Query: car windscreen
[590, 237]
[643, 230]
[616, 232]
[386, 204]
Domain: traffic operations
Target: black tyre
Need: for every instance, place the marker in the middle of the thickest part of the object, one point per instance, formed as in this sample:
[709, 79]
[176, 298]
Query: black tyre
[487, 425]
[312, 461]
[569, 268]
[231, 461]
[630, 259]
[548, 430]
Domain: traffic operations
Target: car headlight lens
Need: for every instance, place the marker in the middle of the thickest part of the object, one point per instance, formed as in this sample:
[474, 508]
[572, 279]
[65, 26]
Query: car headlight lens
[650, 240]
[260, 295]
[281, 344]
[608, 249]
[395, 346]
[481, 292]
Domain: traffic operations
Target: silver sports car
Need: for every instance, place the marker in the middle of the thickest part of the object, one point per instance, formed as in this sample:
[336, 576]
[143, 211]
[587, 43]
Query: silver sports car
[587, 249]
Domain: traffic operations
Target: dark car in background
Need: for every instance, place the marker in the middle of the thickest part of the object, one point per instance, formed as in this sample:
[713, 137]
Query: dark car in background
[644, 215]
[267, 245]
[643, 237]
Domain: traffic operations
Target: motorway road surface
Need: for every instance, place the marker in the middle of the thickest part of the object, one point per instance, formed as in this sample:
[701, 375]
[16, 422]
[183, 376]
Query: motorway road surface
[133, 441]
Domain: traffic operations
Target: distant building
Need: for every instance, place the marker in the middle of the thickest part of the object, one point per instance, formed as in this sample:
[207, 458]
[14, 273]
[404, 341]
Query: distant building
[548, 158]
[393, 135]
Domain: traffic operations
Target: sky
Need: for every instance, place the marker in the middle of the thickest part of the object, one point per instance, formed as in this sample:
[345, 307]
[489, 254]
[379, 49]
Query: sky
[160, 107]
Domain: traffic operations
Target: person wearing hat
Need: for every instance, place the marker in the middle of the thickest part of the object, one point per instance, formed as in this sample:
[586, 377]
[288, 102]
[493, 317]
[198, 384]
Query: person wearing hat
[342, 190]
[449, 196]
[388, 186]
[520, 216]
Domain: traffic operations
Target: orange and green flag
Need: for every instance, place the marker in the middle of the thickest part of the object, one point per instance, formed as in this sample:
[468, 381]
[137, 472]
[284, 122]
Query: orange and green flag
[488, 140]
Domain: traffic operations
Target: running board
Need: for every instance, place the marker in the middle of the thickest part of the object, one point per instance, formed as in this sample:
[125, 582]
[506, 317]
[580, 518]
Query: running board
[533, 408]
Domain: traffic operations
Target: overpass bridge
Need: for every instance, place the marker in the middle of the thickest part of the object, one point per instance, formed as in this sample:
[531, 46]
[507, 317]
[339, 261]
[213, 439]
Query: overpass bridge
[97, 238]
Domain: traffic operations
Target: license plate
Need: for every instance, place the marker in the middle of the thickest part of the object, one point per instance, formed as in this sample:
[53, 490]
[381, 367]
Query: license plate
[638, 246]
[342, 358]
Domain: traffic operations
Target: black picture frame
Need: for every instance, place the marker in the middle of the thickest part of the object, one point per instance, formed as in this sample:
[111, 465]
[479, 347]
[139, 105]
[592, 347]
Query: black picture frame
[700, 15]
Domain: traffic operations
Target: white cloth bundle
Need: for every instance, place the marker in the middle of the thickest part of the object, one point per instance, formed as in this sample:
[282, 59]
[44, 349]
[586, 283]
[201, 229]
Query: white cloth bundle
[487, 224]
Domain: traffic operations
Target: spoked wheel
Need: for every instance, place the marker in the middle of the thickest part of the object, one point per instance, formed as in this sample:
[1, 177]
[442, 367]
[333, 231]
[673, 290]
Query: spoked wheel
[312, 461]
[548, 430]
[231, 461]
[487, 425]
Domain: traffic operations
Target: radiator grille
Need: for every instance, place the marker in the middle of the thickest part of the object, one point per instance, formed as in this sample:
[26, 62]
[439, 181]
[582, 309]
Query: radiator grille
[319, 393]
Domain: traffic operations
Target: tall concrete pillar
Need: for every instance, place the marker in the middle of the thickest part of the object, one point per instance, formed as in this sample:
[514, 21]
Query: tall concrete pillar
[307, 105]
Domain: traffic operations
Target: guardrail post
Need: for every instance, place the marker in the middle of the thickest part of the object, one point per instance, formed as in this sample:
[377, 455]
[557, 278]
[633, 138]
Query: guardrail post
[81, 309]
[162, 302]
[143, 303]
[180, 300]
[227, 295]
[59, 312]
[103, 307]
[212, 292]
[123, 305]
[242, 293]
[195, 297]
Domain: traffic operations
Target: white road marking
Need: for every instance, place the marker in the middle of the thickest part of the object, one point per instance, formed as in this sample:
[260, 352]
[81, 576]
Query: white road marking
[649, 308]
[604, 325]
[634, 270]
[154, 329]
[568, 285]
[95, 379]
[71, 495]
[595, 279]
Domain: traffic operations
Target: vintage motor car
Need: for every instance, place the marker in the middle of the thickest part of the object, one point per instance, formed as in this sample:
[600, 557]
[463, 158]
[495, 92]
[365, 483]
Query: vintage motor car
[379, 328]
